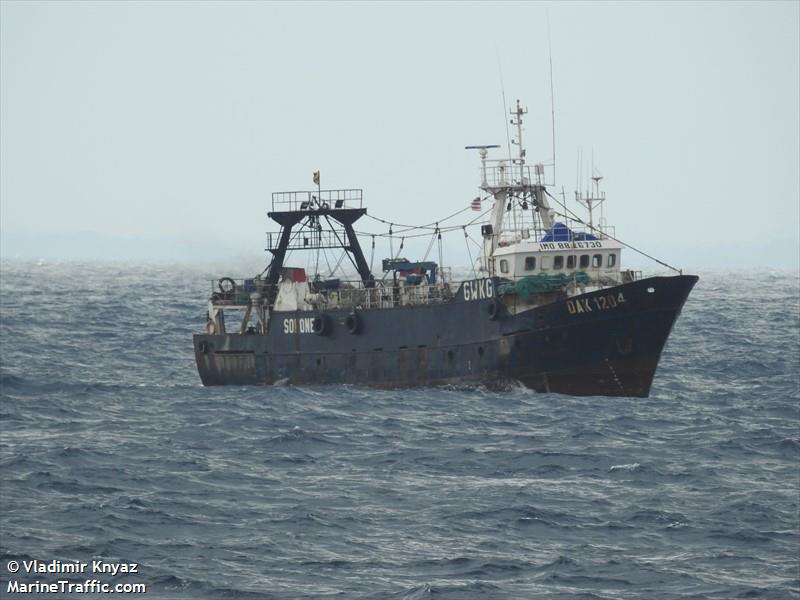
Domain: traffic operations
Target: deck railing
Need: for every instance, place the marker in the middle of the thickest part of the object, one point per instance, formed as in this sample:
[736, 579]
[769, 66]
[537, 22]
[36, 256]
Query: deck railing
[539, 235]
[508, 173]
[228, 292]
[317, 199]
[307, 239]
[348, 295]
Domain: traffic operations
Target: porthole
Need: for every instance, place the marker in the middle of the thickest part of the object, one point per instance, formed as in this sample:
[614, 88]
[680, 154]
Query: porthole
[651, 290]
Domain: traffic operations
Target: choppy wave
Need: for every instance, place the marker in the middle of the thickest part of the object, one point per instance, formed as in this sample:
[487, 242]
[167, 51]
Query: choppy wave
[111, 449]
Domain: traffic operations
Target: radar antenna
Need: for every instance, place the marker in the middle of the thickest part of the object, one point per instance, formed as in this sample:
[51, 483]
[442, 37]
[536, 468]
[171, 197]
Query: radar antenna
[484, 152]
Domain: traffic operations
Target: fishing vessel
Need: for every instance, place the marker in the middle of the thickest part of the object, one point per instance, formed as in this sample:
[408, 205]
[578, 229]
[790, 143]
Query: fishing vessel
[547, 305]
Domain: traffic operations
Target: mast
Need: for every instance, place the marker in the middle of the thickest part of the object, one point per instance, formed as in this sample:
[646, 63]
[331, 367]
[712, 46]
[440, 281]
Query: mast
[592, 198]
[510, 181]
[518, 122]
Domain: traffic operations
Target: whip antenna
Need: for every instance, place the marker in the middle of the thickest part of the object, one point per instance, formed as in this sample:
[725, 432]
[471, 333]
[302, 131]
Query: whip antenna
[503, 93]
[552, 101]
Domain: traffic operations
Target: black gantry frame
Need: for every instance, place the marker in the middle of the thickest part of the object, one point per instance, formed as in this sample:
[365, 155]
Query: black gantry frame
[346, 216]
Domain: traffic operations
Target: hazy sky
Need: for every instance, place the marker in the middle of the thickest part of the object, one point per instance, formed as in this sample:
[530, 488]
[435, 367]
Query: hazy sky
[171, 123]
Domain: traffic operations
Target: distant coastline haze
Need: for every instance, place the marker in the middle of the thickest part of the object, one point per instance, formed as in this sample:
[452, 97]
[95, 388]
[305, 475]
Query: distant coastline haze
[159, 130]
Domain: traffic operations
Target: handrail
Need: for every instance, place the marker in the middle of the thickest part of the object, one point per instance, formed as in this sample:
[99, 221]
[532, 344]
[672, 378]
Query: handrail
[347, 294]
[352, 294]
[533, 234]
[305, 200]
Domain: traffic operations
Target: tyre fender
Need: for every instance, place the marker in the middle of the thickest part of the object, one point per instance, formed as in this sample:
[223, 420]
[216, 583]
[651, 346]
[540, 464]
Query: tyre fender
[493, 308]
[353, 323]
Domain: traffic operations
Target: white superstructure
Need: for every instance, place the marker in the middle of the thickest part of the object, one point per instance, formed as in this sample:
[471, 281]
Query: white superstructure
[526, 237]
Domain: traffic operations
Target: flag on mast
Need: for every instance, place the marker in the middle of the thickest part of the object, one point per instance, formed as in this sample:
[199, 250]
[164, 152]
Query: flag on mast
[316, 177]
[476, 204]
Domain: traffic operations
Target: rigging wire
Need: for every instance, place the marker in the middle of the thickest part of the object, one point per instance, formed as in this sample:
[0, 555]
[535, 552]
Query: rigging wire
[295, 235]
[437, 235]
[394, 257]
[431, 225]
[441, 229]
[325, 256]
[336, 268]
[341, 243]
[434, 226]
[430, 246]
[400, 249]
[267, 268]
[471, 262]
[441, 256]
[593, 228]
[552, 100]
[483, 214]
[477, 245]
[505, 105]
[319, 242]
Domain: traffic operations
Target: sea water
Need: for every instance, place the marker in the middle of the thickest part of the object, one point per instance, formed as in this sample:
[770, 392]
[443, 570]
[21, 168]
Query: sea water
[112, 452]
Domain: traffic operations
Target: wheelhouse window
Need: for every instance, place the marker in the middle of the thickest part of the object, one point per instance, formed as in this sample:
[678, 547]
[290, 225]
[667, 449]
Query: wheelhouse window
[584, 261]
[503, 265]
[530, 263]
[558, 262]
[571, 261]
[597, 261]
[612, 259]
[544, 263]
